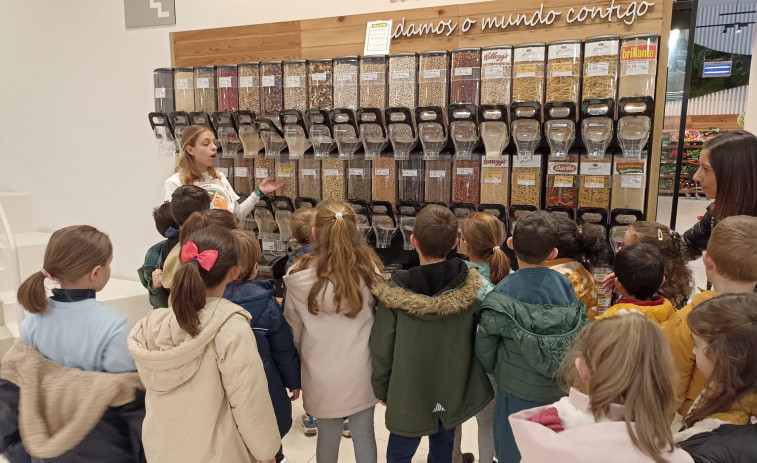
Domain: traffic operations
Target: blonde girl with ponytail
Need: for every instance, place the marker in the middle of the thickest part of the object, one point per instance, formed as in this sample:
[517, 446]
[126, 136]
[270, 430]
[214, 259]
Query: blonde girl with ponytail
[625, 364]
[206, 390]
[71, 327]
[329, 307]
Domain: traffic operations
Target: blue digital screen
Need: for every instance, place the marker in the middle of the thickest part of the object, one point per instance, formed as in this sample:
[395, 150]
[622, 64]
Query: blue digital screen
[716, 68]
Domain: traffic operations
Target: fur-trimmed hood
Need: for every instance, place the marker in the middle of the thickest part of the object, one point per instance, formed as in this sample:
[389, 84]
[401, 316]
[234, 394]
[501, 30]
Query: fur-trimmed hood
[409, 293]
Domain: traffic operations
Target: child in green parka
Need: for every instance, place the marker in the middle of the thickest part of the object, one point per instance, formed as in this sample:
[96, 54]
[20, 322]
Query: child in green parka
[422, 356]
[528, 322]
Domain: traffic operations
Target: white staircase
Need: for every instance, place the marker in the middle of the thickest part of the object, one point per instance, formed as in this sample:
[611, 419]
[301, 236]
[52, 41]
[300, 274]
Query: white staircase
[127, 296]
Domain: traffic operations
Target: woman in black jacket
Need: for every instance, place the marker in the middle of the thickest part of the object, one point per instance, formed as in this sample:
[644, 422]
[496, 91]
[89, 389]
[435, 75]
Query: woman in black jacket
[727, 171]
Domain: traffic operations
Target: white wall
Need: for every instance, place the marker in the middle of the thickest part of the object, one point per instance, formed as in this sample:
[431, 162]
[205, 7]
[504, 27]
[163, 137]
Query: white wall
[75, 90]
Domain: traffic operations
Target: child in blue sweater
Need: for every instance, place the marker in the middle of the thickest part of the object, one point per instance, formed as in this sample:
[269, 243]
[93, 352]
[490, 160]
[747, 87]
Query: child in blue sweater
[71, 327]
[273, 335]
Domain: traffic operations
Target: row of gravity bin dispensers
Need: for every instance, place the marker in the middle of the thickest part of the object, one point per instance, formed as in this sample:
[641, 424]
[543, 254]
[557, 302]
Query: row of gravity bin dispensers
[582, 158]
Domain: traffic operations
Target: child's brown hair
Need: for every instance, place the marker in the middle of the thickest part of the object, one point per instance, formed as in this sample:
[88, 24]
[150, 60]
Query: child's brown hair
[435, 230]
[71, 253]
[733, 248]
[484, 235]
[163, 218]
[249, 253]
[303, 220]
[728, 324]
[629, 362]
[207, 218]
[679, 281]
[340, 257]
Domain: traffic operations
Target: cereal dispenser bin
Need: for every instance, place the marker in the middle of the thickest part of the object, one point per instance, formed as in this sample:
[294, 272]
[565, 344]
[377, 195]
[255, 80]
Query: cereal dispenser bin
[164, 135]
[163, 79]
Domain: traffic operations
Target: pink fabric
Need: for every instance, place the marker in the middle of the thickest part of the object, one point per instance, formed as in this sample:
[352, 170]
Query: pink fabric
[206, 258]
[549, 418]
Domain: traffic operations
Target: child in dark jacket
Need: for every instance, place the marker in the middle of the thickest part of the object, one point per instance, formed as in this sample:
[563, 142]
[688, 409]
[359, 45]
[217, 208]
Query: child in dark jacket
[274, 338]
[150, 272]
[527, 324]
[302, 224]
[424, 367]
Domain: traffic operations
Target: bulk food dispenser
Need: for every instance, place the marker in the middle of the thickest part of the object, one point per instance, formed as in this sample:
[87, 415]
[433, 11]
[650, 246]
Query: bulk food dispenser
[319, 127]
[372, 132]
[406, 212]
[272, 137]
[179, 121]
[346, 132]
[163, 79]
[273, 253]
[384, 224]
[432, 130]
[226, 132]
[402, 132]
[251, 142]
[363, 218]
[296, 134]
[466, 169]
[164, 135]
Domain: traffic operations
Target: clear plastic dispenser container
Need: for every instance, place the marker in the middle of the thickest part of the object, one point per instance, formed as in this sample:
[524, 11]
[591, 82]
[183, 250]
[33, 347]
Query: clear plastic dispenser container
[597, 134]
[271, 89]
[401, 132]
[465, 78]
[227, 78]
[226, 132]
[384, 228]
[403, 80]
[346, 133]
[163, 88]
[251, 142]
[526, 135]
[372, 132]
[249, 86]
[496, 75]
[184, 89]
[320, 132]
[561, 133]
[463, 130]
[494, 130]
[432, 130]
[295, 85]
[633, 133]
[161, 128]
[205, 89]
[373, 82]
[433, 76]
[273, 138]
[295, 133]
[346, 84]
[320, 90]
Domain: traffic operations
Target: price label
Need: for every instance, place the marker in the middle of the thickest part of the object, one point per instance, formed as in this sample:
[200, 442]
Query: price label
[332, 173]
[637, 68]
[494, 72]
[261, 172]
[369, 76]
[492, 177]
[223, 170]
[381, 172]
[597, 69]
[268, 81]
[241, 172]
[631, 181]
[246, 82]
[437, 173]
[160, 93]
[464, 171]
[345, 78]
[182, 84]
[284, 172]
[356, 172]
[561, 69]
[525, 70]
[309, 172]
[594, 182]
[563, 181]
[224, 82]
[409, 173]
[401, 75]
[463, 72]
[432, 74]
[293, 82]
[269, 245]
[203, 82]
[526, 179]
[319, 76]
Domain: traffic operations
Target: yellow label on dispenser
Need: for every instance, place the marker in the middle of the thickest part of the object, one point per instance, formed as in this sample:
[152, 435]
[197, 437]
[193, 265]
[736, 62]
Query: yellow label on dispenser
[526, 179]
[284, 172]
[563, 181]
[594, 182]
[492, 177]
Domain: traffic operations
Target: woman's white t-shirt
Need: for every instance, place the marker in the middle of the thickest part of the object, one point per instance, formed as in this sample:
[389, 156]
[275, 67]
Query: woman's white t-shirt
[222, 195]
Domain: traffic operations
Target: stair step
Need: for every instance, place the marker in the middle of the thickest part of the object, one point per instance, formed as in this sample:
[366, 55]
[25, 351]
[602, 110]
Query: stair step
[18, 208]
[127, 296]
[31, 255]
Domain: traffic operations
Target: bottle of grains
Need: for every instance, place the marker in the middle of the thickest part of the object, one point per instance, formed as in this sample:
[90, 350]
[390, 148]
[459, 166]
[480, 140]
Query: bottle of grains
[310, 177]
[249, 86]
[465, 79]
[163, 88]
[184, 89]
[526, 182]
[295, 85]
[403, 70]
[320, 90]
[384, 186]
[496, 75]
[594, 182]
[495, 181]
[243, 176]
[629, 183]
[562, 186]
[286, 171]
[373, 84]
[439, 180]
[346, 82]
[411, 179]
[466, 181]
[228, 87]
[334, 180]
[433, 73]
[264, 168]
[205, 89]
[528, 72]
[359, 178]
[638, 65]
[601, 67]
[564, 71]
[271, 89]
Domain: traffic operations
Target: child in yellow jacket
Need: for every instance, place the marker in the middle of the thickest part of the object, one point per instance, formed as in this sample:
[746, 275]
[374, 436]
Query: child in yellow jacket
[639, 274]
[730, 262]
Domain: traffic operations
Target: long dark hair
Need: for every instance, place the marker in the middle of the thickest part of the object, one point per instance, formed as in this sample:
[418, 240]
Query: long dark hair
[188, 291]
[733, 156]
[583, 243]
[728, 324]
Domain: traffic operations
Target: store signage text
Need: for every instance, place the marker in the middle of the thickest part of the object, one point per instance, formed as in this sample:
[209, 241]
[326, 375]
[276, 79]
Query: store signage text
[615, 11]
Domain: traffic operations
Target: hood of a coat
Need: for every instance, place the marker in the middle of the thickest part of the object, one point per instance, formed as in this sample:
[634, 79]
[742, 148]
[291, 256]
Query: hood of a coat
[252, 295]
[450, 301]
[165, 354]
[543, 332]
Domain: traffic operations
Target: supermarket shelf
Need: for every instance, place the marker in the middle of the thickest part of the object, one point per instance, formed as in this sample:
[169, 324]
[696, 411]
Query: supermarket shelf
[686, 147]
[685, 161]
[670, 192]
[683, 176]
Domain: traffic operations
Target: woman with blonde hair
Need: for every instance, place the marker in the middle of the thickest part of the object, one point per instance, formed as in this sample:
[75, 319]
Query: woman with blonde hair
[197, 167]
[625, 364]
[329, 307]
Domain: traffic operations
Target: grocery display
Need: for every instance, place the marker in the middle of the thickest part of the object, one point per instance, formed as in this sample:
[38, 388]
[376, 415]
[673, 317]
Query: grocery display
[528, 72]
[295, 85]
[433, 75]
[321, 94]
[373, 82]
[638, 65]
[465, 76]
[564, 71]
[403, 90]
[271, 89]
[163, 80]
[346, 93]
[205, 89]
[496, 75]
[228, 87]
[562, 184]
[600, 72]
[249, 86]
[439, 180]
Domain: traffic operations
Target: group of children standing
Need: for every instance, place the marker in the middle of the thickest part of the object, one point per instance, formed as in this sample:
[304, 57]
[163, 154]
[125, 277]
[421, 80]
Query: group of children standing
[219, 361]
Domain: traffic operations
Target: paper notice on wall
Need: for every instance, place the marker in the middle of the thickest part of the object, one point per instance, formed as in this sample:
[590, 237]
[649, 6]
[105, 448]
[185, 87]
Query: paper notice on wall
[378, 37]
